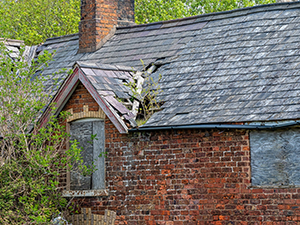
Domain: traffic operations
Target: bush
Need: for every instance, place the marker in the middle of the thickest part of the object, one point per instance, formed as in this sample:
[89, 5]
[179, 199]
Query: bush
[32, 159]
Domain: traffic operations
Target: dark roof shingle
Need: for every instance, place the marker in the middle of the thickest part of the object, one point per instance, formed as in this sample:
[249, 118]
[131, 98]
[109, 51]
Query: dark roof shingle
[236, 66]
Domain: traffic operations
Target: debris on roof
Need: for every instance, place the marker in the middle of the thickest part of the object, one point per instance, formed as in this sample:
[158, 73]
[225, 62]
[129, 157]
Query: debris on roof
[124, 89]
[109, 81]
[15, 48]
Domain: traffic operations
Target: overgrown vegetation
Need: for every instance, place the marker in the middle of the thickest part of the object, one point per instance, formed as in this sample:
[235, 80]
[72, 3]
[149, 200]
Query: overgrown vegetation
[148, 11]
[35, 20]
[32, 162]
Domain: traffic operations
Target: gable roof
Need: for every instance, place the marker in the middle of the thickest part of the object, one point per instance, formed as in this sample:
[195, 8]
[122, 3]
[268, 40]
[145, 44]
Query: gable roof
[104, 83]
[236, 66]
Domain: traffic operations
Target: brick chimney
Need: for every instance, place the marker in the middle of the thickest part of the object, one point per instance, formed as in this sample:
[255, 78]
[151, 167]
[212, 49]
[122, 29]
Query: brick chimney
[99, 19]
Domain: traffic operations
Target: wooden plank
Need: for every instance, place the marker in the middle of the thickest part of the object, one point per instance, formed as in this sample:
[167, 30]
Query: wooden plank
[99, 162]
[99, 217]
[106, 215]
[83, 212]
[112, 217]
[95, 217]
[92, 219]
[117, 105]
[76, 219]
[101, 220]
[81, 219]
[87, 218]
[89, 214]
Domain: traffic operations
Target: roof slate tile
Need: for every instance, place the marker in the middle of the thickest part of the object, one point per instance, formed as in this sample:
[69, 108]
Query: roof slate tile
[233, 66]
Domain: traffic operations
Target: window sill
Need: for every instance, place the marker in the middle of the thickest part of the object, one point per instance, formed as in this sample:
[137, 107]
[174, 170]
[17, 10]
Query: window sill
[85, 193]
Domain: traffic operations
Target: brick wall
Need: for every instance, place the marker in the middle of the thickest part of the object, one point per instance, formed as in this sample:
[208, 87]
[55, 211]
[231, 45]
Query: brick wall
[180, 177]
[79, 98]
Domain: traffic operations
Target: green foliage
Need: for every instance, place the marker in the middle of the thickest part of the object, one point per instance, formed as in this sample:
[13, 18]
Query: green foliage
[148, 11]
[31, 158]
[35, 20]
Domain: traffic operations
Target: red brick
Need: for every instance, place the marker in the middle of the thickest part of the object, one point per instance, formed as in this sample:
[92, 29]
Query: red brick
[184, 185]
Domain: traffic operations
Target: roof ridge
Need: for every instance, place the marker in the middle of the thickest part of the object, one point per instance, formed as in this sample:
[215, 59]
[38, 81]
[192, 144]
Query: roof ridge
[213, 16]
[104, 66]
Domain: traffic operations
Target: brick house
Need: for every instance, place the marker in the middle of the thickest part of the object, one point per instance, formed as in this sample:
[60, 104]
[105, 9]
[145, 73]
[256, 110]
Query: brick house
[223, 149]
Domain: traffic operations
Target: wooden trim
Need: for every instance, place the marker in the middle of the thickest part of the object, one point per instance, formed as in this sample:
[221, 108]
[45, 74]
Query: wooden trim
[62, 95]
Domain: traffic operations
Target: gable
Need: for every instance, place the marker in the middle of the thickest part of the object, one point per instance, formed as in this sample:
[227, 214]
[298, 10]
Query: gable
[62, 97]
[81, 104]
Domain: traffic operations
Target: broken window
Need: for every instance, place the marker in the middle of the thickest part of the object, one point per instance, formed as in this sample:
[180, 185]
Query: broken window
[275, 157]
[90, 135]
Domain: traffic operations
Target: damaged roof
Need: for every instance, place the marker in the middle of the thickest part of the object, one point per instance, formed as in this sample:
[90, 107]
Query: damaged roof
[236, 66]
[14, 47]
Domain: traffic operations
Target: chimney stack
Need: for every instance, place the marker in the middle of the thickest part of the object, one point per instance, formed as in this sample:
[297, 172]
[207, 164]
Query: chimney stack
[99, 19]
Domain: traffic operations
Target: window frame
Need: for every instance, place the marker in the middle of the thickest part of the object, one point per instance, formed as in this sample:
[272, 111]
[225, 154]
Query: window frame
[86, 115]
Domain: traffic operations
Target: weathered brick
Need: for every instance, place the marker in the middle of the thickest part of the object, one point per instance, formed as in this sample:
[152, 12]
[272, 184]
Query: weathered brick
[98, 17]
[180, 184]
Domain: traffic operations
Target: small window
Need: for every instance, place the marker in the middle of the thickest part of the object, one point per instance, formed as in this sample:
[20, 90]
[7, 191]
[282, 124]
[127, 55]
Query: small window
[90, 135]
[275, 157]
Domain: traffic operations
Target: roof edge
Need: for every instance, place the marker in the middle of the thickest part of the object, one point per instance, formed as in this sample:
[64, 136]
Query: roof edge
[59, 37]
[12, 40]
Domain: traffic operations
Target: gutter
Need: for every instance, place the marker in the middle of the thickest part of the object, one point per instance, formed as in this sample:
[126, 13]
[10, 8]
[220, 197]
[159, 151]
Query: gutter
[223, 126]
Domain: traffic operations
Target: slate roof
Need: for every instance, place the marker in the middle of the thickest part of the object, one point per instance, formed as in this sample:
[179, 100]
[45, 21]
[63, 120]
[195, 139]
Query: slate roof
[236, 66]
[14, 47]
